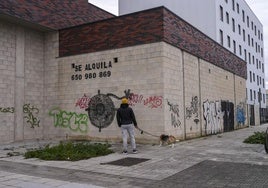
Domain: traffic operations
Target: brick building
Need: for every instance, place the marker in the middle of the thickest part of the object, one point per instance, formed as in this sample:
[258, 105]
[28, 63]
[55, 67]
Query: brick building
[65, 66]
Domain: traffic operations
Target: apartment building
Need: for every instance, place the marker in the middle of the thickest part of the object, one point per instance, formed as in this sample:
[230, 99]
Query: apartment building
[229, 22]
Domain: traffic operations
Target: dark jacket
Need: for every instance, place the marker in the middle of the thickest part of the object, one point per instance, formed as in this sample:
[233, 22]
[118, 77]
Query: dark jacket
[125, 115]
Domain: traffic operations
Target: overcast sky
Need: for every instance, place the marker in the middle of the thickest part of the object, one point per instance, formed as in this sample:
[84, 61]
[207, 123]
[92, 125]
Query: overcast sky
[259, 7]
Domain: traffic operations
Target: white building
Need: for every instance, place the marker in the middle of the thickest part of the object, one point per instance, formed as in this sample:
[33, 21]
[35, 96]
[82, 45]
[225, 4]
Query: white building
[229, 22]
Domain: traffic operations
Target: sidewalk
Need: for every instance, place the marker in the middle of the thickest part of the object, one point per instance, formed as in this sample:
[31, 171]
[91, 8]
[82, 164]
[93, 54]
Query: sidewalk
[214, 161]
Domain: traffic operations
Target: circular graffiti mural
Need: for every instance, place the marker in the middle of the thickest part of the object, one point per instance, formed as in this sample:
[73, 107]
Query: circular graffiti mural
[101, 111]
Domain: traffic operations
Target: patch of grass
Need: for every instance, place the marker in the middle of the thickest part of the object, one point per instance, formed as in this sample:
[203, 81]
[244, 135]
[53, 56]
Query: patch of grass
[70, 151]
[256, 138]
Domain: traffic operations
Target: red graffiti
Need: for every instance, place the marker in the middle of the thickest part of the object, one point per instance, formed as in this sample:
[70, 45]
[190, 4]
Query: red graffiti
[135, 99]
[154, 102]
[83, 102]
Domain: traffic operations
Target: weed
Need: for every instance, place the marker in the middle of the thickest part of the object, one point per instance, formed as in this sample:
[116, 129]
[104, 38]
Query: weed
[70, 151]
[256, 138]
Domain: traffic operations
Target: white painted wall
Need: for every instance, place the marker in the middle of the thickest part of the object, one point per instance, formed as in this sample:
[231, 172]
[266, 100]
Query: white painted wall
[205, 16]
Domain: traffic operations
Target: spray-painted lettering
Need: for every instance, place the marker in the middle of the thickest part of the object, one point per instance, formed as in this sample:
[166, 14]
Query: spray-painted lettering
[30, 118]
[73, 121]
[7, 110]
[83, 102]
[174, 109]
[213, 116]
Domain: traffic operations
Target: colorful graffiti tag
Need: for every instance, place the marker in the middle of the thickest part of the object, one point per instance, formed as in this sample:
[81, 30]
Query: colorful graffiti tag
[82, 103]
[72, 120]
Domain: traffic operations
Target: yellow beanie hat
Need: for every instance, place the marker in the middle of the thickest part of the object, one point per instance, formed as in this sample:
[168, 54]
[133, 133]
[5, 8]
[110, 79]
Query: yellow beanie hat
[124, 101]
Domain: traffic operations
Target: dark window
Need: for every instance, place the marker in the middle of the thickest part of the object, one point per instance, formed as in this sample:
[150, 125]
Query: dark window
[233, 5]
[229, 41]
[243, 15]
[227, 17]
[221, 13]
[247, 21]
[237, 8]
[234, 45]
[233, 21]
[221, 37]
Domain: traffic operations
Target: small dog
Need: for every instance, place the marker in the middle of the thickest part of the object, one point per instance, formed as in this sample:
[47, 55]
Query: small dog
[167, 139]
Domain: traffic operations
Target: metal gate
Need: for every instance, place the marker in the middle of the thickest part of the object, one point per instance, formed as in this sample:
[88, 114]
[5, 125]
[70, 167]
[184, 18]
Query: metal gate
[228, 116]
[252, 115]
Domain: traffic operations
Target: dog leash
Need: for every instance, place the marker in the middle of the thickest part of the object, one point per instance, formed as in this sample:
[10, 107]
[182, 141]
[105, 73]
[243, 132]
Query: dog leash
[142, 131]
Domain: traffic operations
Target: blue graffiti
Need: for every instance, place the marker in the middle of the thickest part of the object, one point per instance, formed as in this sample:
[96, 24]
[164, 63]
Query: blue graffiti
[241, 118]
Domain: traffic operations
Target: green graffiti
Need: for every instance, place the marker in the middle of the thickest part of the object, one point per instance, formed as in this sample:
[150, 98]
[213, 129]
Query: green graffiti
[7, 110]
[31, 119]
[73, 121]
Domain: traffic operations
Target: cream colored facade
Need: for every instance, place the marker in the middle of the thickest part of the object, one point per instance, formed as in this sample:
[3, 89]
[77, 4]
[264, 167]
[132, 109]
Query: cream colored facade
[173, 92]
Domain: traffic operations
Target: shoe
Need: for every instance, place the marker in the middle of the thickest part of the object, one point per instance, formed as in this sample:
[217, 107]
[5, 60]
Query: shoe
[124, 152]
[135, 151]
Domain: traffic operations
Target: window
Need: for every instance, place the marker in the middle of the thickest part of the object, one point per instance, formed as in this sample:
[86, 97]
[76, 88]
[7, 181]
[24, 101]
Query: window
[263, 83]
[254, 95]
[253, 59]
[259, 34]
[237, 8]
[221, 13]
[249, 58]
[253, 77]
[252, 42]
[248, 40]
[227, 17]
[221, 37]
[233, 21]
[245, 53]
[255, 30]
[261, 52]
[234, 45]
[240, 50]
[257, 80]
[229, 41]
[250, 76]
[239, 29]
[262, 67]
[247, 21]
[256, 46]
[243, 16]
[261, 37]
[251, 94]
[233, 5]
[252, 25]
[244, 35]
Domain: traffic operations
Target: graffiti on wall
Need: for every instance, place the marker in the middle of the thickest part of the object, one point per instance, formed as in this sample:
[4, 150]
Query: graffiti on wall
[101, 111]
[30, 112]
[174, 109]
[213, 116]
[241, 113]
[72, 120]
[82, 102]
[7, 110]
[150, 102]
[192, 111]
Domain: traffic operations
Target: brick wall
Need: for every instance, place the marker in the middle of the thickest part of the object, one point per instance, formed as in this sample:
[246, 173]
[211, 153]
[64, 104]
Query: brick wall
[54, 14]
[145, 27]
